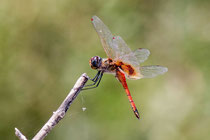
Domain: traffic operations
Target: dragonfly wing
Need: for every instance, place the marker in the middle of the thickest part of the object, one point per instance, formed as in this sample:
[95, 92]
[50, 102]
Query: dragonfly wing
[121, 48]
[124, 54]
[152, 71]
[141, 54]
[105, 36]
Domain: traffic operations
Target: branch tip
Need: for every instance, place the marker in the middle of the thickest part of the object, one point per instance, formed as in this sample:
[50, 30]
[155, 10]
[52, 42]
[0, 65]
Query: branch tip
[19, 135]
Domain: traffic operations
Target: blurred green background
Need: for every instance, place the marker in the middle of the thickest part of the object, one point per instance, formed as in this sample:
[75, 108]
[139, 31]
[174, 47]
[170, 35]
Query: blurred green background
[45, 45]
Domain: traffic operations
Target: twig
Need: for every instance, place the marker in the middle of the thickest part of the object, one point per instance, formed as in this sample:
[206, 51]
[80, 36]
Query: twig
[19, 135]
[60, 112]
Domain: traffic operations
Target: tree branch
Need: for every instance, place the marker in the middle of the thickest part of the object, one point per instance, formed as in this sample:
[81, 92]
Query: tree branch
[19, 135]
[60, 112]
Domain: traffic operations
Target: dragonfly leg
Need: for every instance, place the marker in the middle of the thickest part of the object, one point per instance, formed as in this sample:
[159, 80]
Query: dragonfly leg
[94, 80]
[97, 81]
[96, 76]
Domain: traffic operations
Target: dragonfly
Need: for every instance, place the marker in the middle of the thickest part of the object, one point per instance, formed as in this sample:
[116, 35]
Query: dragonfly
[122, 62]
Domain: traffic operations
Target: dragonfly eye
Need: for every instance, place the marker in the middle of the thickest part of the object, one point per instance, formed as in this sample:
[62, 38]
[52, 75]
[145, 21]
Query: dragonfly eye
[95, 62]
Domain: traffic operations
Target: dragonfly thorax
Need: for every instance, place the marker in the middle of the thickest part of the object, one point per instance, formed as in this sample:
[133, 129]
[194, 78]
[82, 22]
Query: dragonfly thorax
[103, 64]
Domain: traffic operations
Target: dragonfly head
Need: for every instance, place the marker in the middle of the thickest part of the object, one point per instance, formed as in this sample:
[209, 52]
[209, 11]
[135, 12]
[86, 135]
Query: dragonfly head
[95, 62]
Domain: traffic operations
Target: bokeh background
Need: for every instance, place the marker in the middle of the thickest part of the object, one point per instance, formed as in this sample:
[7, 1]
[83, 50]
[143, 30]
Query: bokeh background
[45, 45]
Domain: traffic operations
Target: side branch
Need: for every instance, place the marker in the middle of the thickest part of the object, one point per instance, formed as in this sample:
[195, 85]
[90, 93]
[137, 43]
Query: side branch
[61, 111]
[19, 135]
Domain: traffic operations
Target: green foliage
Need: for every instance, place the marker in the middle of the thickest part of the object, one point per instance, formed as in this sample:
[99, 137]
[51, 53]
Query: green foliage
[45, 45]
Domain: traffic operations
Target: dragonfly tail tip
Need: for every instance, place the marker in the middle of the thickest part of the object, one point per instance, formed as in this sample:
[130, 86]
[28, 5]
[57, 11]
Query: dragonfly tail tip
[137, 114]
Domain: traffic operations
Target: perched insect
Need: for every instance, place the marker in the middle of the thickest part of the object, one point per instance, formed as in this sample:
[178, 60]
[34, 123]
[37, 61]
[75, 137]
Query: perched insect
[121, 61]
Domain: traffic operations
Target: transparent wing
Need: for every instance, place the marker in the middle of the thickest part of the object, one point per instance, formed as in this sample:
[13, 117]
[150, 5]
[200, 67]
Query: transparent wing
[152, 71]
[105, 36]
[117, 49]
[123, 53]
[121, 48]
[141, 54]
